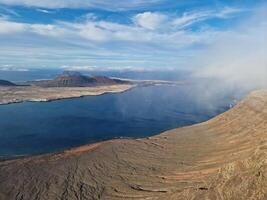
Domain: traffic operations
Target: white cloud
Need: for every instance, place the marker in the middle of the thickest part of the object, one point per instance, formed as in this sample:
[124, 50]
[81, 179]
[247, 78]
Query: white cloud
[8, 67]
[148, 27]
[106, 32]
[46, 30]
[103, 31]
[122, 69]
[103, 4]
[238, 57]
[93, 32]
[95, 42]
[189, 18]
[151, 40]
[228, 12]
[79, 68]
[44, 11]
[7, 27]
[149, 20]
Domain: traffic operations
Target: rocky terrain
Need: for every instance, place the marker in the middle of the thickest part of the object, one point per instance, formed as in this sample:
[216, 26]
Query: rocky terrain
[35, 93]
[67, 85]
[74, 79]
[223, 158]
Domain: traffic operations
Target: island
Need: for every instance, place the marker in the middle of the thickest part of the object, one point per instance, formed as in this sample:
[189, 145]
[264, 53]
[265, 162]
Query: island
[223, 158]
[68, 85]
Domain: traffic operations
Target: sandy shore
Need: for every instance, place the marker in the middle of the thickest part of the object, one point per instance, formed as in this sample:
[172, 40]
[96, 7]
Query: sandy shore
[10, 95]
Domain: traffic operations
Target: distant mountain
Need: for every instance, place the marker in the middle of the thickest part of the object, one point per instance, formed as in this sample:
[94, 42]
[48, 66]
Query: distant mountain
[6, 83]
[74, 79]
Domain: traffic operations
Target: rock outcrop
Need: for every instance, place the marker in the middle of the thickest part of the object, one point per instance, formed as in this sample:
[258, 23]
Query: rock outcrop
[78, 80]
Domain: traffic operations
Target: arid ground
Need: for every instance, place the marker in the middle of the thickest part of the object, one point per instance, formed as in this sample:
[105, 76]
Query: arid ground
[34, 93]
[223, 158]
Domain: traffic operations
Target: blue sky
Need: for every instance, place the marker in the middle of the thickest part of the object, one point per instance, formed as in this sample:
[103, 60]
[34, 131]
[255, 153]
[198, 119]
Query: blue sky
[105, 34]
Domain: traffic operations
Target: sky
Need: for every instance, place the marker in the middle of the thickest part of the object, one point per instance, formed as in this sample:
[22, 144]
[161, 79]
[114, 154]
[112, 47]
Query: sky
[129, 34]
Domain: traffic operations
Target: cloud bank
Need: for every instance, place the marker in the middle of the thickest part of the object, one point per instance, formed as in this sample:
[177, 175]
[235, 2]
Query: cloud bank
[238, 58]
[145, 27]
[150, 39]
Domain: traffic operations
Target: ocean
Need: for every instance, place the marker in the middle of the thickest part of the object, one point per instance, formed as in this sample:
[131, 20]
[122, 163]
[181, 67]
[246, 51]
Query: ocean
[31, 128]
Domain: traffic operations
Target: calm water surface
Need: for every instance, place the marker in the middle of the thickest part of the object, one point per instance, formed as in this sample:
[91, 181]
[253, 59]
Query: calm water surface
[33, 128]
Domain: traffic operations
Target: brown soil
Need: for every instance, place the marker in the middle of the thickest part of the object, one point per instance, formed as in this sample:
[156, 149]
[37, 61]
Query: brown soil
[223, 158]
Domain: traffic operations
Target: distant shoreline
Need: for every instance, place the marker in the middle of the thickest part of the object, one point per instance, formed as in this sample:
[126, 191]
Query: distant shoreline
[12, 95]
[20, 94]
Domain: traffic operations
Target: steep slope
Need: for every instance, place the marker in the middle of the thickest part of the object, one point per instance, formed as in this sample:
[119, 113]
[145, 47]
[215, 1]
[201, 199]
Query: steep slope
[223, 158]
[78, 80]
[6, 83]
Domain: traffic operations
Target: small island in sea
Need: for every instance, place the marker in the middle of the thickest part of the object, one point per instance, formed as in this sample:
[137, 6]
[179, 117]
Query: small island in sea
[68, 85]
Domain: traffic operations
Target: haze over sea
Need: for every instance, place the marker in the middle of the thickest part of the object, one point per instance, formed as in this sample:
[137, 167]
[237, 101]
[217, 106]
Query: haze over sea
[33, 128]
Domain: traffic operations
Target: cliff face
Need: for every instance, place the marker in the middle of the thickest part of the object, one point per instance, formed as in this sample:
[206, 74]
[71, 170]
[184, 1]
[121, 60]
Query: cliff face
[223, 158]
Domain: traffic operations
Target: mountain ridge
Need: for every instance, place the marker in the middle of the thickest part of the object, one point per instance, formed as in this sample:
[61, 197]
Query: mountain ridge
[223, 158]
[74, 79]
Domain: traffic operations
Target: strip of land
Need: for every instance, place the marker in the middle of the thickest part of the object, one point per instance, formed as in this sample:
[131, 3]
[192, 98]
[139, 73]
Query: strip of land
[16, 94]
[68, 85]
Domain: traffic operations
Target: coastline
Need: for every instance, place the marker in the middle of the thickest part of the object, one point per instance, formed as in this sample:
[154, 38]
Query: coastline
[20, 94]
[12, 95]
[194, 162]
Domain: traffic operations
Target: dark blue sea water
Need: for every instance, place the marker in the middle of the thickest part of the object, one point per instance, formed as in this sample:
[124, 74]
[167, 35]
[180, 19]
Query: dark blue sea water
[33, 128]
